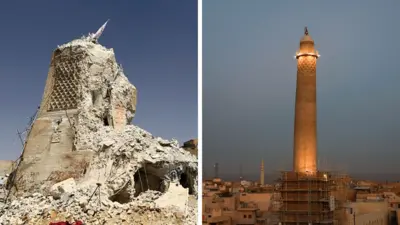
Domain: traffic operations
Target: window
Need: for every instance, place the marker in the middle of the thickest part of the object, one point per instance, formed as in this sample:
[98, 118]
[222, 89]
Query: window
[105, 121]
[250, 216]
[244, 216]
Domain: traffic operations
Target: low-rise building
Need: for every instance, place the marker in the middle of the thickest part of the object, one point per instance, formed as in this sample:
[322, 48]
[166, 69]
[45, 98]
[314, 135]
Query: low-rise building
[367, 213]
[223, 205]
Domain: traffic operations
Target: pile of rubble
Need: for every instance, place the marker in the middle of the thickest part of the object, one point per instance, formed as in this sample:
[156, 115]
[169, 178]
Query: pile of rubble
[39, 209]
[132, 177]
[144, 180]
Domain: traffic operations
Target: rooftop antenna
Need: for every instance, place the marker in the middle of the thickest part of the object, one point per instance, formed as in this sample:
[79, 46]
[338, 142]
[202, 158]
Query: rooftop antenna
[96, 36]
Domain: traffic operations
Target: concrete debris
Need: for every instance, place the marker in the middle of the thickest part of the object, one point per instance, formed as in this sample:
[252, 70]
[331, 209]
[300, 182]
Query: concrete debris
[131, 177]
[3, 194]
[176, 196]
[41, 210]
[65, 187]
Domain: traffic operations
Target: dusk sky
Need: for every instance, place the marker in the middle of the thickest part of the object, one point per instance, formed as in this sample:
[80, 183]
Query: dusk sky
[154, 40]
[249, 84]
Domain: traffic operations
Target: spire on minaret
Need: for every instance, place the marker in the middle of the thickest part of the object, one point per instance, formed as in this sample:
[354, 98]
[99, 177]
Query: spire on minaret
[305, 31]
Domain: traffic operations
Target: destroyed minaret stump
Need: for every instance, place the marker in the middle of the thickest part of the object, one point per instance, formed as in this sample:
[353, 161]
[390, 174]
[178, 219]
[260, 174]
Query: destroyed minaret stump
[86, 92]
[305, 127]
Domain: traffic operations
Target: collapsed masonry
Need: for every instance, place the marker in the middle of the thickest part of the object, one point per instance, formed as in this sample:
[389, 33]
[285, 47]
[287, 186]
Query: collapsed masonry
[83, 138]
[191, 146]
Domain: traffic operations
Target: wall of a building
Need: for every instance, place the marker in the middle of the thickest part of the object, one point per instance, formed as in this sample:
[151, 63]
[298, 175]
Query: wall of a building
[226, 203]
[244, 217]
[367, 207]
[263, 200]
[344, 195]
[227, 206]
[43, 136]
[374, 218]
[49, 153]
[368, 196]
[220, 220]
[368, 213]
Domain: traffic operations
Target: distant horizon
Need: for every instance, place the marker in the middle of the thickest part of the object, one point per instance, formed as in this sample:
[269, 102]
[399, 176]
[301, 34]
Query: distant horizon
[272, 177]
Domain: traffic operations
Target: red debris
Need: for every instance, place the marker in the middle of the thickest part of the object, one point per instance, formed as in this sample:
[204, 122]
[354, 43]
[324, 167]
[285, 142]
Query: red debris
[67, 223]
[60, 223]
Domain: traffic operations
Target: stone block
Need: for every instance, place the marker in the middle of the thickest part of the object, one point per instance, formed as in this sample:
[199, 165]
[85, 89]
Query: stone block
[176, 196]
[65, 187]
[119, 118]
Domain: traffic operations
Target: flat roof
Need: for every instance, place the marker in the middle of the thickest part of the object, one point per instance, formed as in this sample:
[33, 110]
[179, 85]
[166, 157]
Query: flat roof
[216, 219]
[247, 209]
[362, 188]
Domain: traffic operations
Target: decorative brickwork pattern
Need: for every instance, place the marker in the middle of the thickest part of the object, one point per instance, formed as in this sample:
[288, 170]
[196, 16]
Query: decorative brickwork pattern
[307, 65]
[66, 78]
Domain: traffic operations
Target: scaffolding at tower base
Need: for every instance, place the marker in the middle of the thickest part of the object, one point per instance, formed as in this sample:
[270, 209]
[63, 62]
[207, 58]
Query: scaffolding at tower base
[306, 198]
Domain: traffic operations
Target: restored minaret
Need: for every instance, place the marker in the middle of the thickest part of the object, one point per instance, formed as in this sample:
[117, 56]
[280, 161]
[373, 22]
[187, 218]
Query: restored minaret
[305, 125]
[262, 173]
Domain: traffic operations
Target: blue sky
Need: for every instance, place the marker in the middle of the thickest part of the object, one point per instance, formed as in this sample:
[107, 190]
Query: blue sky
[249, 81]
[154, 40]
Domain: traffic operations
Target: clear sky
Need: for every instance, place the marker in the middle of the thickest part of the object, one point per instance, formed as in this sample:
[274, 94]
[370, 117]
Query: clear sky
[249, 82]
[154, 40]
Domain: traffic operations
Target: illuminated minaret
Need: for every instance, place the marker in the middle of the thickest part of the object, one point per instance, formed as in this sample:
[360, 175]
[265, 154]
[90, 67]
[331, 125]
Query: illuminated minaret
[262, 173]
[305, 125]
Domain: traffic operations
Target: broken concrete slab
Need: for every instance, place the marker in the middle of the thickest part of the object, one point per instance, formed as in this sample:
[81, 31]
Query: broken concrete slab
[175, 196]
[65, 187]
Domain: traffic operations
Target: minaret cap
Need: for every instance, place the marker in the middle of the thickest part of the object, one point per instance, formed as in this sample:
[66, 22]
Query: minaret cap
[306, 37]
[306, 46]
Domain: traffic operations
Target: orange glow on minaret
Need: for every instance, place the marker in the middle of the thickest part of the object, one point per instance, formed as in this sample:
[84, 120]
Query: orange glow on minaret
[262, 173]
[305, 125]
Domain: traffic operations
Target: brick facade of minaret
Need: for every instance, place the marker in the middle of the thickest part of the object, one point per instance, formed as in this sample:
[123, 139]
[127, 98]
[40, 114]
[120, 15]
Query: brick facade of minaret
[305, 127]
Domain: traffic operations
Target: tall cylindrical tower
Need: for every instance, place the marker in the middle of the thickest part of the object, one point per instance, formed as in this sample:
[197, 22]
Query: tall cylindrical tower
[305, 125]
[262, 173]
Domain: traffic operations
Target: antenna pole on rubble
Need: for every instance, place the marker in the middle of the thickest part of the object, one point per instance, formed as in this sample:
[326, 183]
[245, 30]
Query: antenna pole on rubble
[20, 137]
